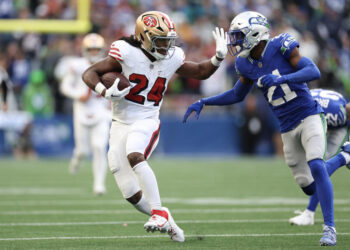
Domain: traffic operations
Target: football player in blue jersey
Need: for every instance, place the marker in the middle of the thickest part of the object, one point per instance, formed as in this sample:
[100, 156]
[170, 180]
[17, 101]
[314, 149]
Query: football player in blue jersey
[281, 73]
[337, 112]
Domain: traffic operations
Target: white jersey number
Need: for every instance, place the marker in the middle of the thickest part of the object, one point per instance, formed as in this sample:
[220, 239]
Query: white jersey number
[288, 93]
[154, 95]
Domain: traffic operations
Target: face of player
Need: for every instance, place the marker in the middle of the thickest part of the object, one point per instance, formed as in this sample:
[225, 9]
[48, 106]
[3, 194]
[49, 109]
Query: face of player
[162, 45]
[93, 52]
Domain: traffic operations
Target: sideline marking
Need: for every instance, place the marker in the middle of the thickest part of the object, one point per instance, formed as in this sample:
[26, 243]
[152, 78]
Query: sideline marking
[164, 236]
[88, 223]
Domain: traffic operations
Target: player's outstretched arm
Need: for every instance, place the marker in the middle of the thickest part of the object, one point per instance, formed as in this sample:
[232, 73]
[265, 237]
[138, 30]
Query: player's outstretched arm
[234, 95]
[205, 69]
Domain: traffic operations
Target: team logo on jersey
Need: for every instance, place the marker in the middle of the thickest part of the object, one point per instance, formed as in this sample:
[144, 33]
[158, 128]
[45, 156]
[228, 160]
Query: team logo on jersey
[150, 21]
[286, 42]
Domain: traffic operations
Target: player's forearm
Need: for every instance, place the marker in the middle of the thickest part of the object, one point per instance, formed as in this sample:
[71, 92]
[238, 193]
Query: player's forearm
[208, 67]
[307, 71]
[234, 95]
[91, 78]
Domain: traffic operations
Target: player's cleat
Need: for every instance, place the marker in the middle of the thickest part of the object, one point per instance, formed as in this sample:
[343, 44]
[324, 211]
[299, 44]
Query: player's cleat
[175, 233]
[304, 218]
[99, 191]
[329, 237]
[345, 149]
[158, 222]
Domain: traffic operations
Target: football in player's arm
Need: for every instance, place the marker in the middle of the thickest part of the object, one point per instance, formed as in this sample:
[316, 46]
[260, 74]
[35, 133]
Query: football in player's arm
[281, 73]
[337, 112]
[148, 59]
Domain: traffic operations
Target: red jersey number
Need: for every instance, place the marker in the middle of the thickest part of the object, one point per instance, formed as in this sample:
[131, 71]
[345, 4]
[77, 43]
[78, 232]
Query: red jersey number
[155, 94]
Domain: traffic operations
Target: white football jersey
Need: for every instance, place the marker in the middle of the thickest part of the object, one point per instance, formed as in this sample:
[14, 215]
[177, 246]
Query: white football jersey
[96, 108]
[148, 81]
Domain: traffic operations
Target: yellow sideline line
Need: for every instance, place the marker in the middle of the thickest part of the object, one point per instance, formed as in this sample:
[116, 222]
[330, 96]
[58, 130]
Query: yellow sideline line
[80, 25]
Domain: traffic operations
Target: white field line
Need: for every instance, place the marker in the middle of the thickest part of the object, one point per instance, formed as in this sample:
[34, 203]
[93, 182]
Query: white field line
[217, 201]
[125, 223]
[174, 211]
[41, 191]
[200, 237]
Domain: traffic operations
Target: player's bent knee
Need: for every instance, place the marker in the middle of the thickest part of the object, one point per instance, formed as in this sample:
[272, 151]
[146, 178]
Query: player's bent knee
[303, 180]
[310, 189]
[135, 198]
[135, 158]
[113, 162]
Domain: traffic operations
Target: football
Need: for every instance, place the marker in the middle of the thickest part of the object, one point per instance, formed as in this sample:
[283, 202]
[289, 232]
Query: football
[108, 79]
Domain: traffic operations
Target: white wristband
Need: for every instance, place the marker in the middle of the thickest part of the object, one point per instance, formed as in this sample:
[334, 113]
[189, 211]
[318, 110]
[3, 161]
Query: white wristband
[215, 61]
[99, 88]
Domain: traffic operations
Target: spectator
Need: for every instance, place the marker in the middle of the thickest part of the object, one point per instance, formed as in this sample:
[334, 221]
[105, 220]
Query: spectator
[37, 98]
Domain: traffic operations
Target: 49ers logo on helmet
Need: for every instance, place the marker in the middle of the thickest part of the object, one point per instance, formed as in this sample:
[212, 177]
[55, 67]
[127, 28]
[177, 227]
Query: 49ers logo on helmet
[150, 21]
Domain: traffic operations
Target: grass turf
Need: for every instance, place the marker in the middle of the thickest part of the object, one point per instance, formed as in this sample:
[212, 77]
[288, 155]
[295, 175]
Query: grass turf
[233, 203]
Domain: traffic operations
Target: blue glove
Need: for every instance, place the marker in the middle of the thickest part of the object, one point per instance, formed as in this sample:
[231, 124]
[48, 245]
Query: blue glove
[197, 106]
[269, 80]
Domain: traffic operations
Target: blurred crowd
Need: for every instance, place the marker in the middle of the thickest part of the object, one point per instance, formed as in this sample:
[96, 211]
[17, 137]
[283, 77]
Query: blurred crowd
[322, 28]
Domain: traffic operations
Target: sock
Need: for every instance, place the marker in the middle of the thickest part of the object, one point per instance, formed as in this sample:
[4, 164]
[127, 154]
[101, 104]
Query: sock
[313, 202]
[148, 183]
[324, 190]
[143, 206]
[331, 165]
[335, 162]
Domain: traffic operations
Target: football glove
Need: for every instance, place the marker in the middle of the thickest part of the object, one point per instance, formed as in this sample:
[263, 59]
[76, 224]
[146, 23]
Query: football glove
[269, 80]
[114, 94]
[197, 107]
[220, 37]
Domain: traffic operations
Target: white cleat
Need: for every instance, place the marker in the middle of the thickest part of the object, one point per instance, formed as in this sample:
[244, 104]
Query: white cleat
[158, 222]
[305, 218]
[99, 191]
[175, 233]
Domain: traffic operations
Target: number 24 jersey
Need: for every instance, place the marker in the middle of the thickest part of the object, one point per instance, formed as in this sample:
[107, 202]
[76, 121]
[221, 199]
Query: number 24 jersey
[148, 81]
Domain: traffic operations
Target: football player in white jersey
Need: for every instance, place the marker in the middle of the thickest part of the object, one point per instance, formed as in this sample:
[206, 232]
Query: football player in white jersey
[91, 113]
[148, 59]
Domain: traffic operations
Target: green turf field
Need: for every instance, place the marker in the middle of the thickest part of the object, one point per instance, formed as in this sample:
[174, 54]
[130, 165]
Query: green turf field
[221, 204]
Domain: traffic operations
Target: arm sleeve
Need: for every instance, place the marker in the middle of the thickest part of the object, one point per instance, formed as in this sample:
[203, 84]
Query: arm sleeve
[234, 95]
[307, 71]
[118, 51]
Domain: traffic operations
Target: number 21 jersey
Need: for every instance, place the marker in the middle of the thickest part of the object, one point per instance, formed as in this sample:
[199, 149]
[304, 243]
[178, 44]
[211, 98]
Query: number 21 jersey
[290, 102]
[148, 81]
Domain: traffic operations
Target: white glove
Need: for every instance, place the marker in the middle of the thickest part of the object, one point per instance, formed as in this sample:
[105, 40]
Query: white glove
[220, 37]
[114, 94]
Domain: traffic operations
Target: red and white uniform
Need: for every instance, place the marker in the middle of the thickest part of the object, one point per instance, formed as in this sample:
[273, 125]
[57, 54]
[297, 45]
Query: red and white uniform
[148, 81]
[91, 121]
[136, 125]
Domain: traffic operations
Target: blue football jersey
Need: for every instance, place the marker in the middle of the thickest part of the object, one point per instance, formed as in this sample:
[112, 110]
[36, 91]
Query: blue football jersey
[333, 105]
[290, 102]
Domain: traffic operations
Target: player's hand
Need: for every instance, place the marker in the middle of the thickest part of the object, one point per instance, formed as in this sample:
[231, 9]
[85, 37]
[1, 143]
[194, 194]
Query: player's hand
[269, 80]
[220, 37]
[114, 94]
[197, 107]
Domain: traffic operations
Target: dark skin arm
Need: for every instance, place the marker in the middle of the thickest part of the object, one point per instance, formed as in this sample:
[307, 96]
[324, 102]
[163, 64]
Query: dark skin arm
[189, 69]
[200, 71]
[347, 108]
[91, 76]
[294, 57]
